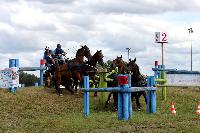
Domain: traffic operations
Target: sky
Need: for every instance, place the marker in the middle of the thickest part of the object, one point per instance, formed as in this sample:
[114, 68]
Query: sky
[28, 26]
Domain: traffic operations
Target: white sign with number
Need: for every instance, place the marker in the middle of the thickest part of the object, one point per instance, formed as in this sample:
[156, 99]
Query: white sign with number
[160, 37]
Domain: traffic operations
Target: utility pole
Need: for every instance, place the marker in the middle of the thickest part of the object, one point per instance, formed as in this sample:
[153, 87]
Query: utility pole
[128, 49]
[191, 31]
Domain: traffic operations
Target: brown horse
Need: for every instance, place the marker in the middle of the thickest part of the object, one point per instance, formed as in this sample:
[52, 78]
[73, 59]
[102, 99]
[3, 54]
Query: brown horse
[65, 73]
[90, 65]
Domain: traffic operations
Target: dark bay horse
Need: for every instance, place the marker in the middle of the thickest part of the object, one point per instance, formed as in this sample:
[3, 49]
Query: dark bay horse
[119, 64]
[136, 80]
[66, 73]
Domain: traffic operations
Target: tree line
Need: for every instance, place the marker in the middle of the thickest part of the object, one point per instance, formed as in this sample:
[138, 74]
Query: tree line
[27, 79]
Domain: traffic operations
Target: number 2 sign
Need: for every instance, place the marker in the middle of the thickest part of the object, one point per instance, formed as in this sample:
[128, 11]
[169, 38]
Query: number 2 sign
[160, 37]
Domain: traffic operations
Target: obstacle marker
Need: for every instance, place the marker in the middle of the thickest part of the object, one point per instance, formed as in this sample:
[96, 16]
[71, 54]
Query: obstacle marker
[124, 96]
[198, 109]
[173, 111]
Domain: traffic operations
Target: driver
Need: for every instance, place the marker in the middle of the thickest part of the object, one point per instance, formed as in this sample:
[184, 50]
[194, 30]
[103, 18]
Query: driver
[58, 52]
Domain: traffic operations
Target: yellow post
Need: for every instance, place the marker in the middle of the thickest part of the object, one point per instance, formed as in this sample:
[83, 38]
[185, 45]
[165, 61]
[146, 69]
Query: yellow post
[164, 90]
[103, 84]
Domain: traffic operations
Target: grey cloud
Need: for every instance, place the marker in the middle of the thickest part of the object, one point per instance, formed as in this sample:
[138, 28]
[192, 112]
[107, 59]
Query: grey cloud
[135, 6]
[54, 1]
[17, 43]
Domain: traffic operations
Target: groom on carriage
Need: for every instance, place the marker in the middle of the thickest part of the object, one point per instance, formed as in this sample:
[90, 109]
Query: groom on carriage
[48, 57]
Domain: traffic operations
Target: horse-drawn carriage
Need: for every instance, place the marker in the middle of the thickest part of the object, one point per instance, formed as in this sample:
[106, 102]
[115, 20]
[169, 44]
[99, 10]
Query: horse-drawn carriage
[70, 73]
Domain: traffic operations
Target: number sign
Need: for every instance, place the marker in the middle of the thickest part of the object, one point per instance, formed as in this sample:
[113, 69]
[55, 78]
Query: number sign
[160, 37]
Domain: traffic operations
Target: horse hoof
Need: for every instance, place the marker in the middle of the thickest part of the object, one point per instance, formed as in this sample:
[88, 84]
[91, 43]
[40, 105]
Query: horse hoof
[61, 95]
[138, 108]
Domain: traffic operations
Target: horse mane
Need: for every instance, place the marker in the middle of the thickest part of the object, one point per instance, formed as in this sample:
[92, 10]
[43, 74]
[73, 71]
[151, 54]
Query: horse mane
[79, 51]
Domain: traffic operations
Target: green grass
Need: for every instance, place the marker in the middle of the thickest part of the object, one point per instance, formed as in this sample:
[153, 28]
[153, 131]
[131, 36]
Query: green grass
[41, 110]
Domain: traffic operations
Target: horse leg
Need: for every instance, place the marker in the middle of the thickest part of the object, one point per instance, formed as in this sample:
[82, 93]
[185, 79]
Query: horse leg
[57, 84]
[137, 98]
[107, 101]
[92, 76]
[79, 77]
[145, 96]
[69, 86]
[48, 82]
[115, 97]
[76, 85]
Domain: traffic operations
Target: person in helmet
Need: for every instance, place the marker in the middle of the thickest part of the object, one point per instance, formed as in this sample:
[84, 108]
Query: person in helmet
[59, 50]
[58, 55]
[47, 56]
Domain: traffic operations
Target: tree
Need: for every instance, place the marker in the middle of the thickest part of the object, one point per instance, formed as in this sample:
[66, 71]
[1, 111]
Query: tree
[27, 79]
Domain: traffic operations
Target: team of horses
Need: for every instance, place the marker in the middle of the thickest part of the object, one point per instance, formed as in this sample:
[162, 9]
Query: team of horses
[70, 73]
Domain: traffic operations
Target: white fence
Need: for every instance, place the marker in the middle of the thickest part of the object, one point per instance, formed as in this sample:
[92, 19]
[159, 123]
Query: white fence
[183, 78]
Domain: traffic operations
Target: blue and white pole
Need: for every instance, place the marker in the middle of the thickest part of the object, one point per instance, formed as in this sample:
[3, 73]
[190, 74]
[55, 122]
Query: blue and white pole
[42, 64]
[14, 82]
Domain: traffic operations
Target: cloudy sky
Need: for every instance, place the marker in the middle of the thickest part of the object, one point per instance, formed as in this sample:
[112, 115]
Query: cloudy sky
[27, 26]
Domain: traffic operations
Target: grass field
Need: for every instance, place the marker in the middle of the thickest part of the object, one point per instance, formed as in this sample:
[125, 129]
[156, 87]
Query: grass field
[38, 110]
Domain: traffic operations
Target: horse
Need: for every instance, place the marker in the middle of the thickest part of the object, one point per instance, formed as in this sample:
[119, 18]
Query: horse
[92, 62]
[119, 64]
[137, 79]
[90, 66]
[77, 65]
[47, 78]
[65, 73]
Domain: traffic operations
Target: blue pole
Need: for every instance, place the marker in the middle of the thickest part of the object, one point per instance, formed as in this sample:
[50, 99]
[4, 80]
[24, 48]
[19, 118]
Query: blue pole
[13, 63]
[120, 107]
[125, 106]
[148, 95]
[130, 105]
[153, 96]
[129, 97]
[41, 77]
[120, 103]
[129, 80]
[153, 101]
[156, 72]
[86, 97]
